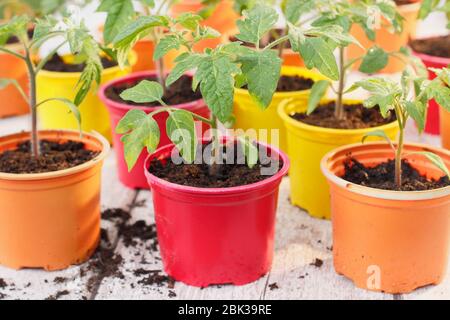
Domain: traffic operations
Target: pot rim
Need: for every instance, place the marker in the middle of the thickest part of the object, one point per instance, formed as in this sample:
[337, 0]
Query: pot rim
[126, 107]
[74, 75]
[289, 94]
[433, 59]
[217, 191]
[380, 193]
[61, 173]
[410, 7]
[316, 129]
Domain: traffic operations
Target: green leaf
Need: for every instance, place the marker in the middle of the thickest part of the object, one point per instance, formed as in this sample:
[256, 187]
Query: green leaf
[183, 63]
[294, 9]
[440, 92]
[165, 45]
[257, 21]
[250, 150]
[42, 28]
[141, 26]
[318, 90]
[4, 82]
[318, 54]
[215, 74]
[334, 33]
[143, 133]
[180, 127]
[189, 20]
[379, 134]
[417, 111]
[120, 13]
[17, 26]
[435, 159]
[384, 92]
[262, 71]
[144, 92]
[374, 60]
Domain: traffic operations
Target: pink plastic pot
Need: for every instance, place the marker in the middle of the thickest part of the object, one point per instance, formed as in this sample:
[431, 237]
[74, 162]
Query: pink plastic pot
[135, 178]
[215, 235]
[432, 125]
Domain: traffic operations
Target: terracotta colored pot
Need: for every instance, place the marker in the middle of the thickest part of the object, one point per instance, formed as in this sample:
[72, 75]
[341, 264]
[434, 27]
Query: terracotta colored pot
[136, 178]
[144, 51]
[307, 145]
[249, 116]
[387, 40]
[13, 68]
[388, 241]
[94, 116]
[51, 220]
[432, 124]
[215, 235]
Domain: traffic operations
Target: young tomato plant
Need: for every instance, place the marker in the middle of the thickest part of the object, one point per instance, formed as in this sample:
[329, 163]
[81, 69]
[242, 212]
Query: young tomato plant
[81, 44]
[346, 14]
[216, 73]
[392, 97]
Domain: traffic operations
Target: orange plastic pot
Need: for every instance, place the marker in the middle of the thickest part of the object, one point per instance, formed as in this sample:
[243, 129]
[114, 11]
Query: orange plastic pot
[13, 68]
[390, 241]
[144, 53]
[386, 39]
[51, 220]
[445, 128]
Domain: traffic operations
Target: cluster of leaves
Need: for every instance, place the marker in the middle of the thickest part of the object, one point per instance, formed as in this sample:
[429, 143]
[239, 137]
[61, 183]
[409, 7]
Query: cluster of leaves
[218, 71]
[35, 8]
[429, 6]
[391, 96]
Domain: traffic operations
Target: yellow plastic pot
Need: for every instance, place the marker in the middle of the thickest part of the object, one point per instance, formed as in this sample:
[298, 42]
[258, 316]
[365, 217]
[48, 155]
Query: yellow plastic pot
[55, 115]
[307, 145]
[250, 116]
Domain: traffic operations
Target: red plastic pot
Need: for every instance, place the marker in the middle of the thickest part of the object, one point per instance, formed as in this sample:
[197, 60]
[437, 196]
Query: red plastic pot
[432, 125]
[135, 178]
[215, 235]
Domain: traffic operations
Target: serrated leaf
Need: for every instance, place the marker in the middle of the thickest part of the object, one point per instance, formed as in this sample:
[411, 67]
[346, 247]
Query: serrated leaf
[120, 13]
[417, 111]
[143, 132]
[436, 160]
[262, 71]
[189, 20]
[249, 150]
[17, 26]
[374, 60]
[144, 92]
[318, 90]
[215, 74]
[183, 63]
[164, 45]
[141, 26]
[294, 9]
[383, 93]
[317, 54]
[180, 127]
[257, 21]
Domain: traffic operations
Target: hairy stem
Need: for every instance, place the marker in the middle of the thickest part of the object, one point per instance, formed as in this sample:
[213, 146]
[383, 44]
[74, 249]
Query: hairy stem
[398, 155]
[33, 104]
[339, 108]
[213, 169]
[282, 44]
[276, 42]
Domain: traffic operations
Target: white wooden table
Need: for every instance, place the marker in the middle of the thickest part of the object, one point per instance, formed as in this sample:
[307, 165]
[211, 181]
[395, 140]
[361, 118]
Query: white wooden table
[300, 239]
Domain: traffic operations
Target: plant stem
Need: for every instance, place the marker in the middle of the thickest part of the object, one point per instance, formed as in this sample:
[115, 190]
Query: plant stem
[33, 108]
[276, 42]
[339, 107]
[401, 119]
[281, 46]
[214, 167]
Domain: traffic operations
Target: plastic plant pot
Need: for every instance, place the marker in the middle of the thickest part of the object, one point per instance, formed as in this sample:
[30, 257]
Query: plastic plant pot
[55, 115]
[135, 178]
[390, 241]
[13, 68]
[250, 116]
[307, 145]
[144, 55]
[432, 124]
[51, 220]
[215, 235]
[386, 39]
